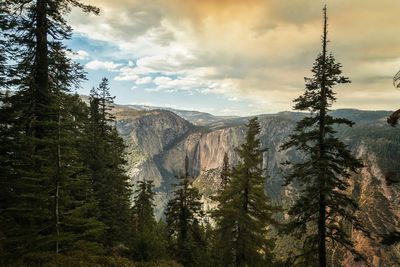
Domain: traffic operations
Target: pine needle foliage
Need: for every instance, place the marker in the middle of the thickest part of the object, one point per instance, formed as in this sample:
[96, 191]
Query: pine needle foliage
[183, 216]
[325, 206]
[105, 156]
[245, 214]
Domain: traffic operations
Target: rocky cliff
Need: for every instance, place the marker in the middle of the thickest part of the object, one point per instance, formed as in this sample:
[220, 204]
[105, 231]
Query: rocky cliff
[159, 140]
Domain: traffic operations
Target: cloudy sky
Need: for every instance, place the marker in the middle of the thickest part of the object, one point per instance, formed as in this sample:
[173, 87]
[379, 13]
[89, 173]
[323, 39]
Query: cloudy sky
[237, 56]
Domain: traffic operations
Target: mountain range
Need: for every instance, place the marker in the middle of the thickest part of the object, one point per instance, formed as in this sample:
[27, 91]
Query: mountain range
[159, 139]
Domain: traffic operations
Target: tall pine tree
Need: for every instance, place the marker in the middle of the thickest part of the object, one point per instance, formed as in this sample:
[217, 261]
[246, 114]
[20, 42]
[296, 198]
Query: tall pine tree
[105, 152]
[148, 243]
[45, 126]
[183, 215]
[324, 206]
[244, 212]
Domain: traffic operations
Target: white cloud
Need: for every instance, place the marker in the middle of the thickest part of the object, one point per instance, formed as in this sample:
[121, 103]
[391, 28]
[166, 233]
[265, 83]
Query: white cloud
[126, 74]
[102, 65]
[161, 81]
[144, 80]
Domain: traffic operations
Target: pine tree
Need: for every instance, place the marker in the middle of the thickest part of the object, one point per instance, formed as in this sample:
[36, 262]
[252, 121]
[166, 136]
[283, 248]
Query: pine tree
[225, 172]
[75, 207]
[46, 172]
[39, 29]
[144, 222]
[244, 212]
[143, 208]
[183, 215]
[148, 243]
[324, 205]
[105, 152]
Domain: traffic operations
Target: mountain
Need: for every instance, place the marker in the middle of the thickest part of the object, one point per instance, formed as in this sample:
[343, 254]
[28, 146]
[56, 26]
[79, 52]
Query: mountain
[158, 141]
[195, 117]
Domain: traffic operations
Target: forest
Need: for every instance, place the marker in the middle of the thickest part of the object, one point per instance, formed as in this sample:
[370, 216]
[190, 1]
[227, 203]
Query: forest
[66, 198]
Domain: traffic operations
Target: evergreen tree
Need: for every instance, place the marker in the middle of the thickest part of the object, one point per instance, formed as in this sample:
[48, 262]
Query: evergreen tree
[105, 158]
[44, 126]
[148, 241]
[244, 213]
[225, 172]
[38, 29]
[183, 215]
[143, 221]
[75, 208]
[143, 208]
[324, 206]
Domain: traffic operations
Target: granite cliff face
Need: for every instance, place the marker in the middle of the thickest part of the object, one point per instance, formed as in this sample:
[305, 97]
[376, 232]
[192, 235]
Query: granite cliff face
[147, 135]
[159, 140]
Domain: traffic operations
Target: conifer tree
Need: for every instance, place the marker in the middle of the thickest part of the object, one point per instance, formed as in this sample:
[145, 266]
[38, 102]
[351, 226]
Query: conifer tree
[144, 222]
[38, 28]
[143, 208]
[148, 243]
[44, 129]
[225, 172]
[324, 206]
[105, 152]
[75, 207]
[244, 212]
[63, 203]
[183, 215]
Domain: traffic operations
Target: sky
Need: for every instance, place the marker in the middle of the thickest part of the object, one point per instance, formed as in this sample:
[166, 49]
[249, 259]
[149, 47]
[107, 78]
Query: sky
[236, 57]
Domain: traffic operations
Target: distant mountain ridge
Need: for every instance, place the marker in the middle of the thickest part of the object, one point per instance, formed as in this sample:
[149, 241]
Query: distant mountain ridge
[195, 117]
[214, 121]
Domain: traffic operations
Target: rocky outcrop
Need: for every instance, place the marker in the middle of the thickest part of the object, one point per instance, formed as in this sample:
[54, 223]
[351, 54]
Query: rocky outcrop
[380, 212]
[148, 134]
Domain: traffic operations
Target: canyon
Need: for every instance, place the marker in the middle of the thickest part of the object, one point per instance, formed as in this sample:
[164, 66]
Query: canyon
[158, 141]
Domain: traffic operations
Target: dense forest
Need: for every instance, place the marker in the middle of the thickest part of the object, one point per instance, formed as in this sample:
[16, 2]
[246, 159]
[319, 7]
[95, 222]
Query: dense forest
[66, 199]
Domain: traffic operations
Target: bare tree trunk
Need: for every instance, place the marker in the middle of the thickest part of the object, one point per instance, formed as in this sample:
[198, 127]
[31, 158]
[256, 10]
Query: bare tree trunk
[322, 196]
[57, 198]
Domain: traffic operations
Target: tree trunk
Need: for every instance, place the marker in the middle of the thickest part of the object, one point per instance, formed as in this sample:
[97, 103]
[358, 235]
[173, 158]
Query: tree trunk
[57, 196]
[322, 170]
[41, 75]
